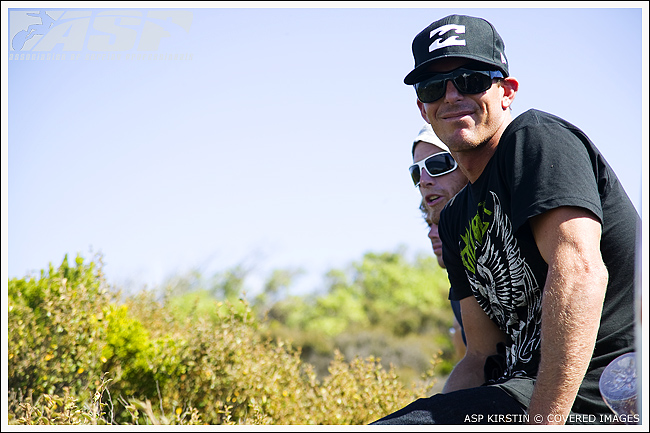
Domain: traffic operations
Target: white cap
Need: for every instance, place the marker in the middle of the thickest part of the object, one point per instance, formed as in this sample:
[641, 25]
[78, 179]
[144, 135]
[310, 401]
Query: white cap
[427, 134]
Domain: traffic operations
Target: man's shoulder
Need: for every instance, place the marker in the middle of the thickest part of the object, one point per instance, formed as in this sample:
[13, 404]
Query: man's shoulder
[536, 126]
[534, 116]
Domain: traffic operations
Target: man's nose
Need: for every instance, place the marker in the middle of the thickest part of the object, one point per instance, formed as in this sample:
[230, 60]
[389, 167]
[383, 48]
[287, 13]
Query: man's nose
[425, 178]
[451, 92]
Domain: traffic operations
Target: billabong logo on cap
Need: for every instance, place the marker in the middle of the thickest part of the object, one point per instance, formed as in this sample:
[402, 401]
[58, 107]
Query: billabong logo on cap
[459, 36]
[451, 40]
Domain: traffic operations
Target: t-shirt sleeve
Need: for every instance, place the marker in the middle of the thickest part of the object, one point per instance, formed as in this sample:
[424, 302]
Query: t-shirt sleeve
[546, 166]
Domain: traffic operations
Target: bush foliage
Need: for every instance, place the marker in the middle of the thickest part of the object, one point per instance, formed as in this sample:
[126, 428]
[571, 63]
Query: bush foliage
[196, 354]
[56, 327]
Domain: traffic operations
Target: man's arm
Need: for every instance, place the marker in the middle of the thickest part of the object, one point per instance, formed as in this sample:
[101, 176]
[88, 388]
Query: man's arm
[482, 336]
[568, 239]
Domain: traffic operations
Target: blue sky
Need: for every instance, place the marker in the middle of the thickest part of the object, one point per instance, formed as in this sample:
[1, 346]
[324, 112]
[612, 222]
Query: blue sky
[279, 137]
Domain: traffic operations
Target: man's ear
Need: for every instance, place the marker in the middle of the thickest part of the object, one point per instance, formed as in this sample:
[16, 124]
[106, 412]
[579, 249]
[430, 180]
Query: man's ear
[510, 87]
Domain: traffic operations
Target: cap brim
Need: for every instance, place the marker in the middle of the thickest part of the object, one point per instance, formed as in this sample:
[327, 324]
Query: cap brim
[419, 73]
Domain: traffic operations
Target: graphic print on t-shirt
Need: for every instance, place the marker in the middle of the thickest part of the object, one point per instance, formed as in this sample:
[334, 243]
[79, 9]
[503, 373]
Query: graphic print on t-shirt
[503, 283]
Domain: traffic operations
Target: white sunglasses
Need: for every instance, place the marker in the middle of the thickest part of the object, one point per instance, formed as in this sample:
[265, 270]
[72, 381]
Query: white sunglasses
[435, 165]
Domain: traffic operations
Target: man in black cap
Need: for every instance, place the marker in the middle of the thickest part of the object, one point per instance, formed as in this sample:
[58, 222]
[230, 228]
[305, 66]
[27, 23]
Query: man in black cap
[538, 247]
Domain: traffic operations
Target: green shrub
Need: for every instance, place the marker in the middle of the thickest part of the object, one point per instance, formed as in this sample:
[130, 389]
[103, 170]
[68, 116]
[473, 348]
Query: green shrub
[383, 306]
[64, 410]
[56, 328]
[78, 356]
[128, 355]
[384, 290]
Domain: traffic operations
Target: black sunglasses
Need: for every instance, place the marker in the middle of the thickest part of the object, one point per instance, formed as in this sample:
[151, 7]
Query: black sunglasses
[436, 165]
[466, 81]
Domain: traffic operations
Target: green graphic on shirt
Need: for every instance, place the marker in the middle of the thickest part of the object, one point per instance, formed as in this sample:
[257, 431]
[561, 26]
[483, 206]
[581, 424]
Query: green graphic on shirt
[474, 237]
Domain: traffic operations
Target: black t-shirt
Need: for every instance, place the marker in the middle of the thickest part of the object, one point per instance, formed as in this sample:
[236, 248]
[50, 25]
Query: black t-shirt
[542, 162]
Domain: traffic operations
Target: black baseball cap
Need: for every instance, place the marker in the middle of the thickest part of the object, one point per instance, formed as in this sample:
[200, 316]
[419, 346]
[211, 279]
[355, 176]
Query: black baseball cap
[457, 36]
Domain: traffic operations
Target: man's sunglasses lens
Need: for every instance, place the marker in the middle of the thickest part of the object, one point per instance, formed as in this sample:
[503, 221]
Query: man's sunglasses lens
[465, 80]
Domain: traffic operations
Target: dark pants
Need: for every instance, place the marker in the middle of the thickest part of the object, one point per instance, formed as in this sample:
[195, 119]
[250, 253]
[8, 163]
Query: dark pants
[482, 405]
